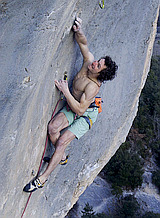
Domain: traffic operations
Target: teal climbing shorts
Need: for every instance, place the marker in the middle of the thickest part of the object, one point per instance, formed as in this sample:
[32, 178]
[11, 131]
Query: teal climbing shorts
[78, 125]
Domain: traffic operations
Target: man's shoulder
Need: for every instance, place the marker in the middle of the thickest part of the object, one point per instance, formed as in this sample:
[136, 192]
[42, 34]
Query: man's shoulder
[92, 86]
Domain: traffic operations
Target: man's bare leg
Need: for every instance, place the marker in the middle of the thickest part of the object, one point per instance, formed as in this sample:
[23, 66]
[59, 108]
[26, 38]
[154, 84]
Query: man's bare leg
[61, 145]
[58, 123]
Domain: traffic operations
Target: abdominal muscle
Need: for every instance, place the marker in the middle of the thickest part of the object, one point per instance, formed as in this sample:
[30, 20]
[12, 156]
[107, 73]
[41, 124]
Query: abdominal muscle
[78, 88]
[79, 85]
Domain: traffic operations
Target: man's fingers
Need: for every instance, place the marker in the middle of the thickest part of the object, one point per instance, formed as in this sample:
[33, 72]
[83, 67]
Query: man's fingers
[76, 26]
[56, 83]
[77, 23]
[79, 20]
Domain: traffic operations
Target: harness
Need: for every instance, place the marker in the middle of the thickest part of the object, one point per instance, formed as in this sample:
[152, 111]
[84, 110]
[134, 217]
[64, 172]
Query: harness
[97, 103]
[88, 120]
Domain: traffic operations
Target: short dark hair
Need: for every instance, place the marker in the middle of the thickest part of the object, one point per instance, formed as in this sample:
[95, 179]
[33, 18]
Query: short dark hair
[110, 72]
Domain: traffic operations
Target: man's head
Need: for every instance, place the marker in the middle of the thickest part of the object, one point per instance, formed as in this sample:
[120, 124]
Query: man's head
[104, 69]
[109, 72]
[97, 66]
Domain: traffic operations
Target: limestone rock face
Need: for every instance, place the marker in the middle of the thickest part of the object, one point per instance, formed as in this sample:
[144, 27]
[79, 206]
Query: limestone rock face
[37, 46]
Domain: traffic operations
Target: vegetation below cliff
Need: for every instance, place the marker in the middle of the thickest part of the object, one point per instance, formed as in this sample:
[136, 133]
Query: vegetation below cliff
[125, 169]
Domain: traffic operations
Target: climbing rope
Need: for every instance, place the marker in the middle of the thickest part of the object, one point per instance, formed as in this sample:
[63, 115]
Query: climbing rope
[61, 98]
[101, 4]
[42, 156]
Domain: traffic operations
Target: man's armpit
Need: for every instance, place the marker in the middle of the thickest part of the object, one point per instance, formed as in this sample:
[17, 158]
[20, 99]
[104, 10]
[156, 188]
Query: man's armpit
[89, 58]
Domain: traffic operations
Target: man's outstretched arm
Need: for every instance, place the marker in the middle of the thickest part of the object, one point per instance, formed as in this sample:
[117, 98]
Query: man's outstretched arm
[82, 41]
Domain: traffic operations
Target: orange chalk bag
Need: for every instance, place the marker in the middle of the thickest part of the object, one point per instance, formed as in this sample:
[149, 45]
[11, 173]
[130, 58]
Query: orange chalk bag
[98, 102]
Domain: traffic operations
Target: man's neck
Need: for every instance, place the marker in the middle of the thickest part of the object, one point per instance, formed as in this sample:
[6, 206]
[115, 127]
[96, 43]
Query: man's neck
[92, 78]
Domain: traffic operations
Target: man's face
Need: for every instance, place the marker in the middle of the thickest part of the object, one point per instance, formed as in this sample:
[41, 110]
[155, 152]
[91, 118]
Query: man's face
[97, 66]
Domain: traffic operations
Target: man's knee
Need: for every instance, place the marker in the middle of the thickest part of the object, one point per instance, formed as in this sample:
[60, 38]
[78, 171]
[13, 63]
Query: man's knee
[61, 144]
[64, 140]
[52, 128]
[58, 123]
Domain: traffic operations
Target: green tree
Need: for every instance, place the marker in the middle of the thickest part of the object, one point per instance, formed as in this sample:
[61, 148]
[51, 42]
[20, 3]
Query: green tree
[128, 207]
[151, 215]
[88, 211]
[156, 179]
[155, 146]
[148, 116]
[124, 170]
[102, 215]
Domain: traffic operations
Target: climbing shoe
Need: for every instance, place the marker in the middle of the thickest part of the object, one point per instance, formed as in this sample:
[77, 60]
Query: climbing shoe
[62, 162]
[46, 159]
[33, 185]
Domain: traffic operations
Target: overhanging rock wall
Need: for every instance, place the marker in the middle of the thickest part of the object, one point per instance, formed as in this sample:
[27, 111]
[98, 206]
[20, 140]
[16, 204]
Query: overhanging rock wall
[37, 46]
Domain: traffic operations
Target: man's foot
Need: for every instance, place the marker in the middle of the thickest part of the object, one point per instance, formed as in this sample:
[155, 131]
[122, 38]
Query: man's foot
[33, 185]
[46, 159]
[62, 162]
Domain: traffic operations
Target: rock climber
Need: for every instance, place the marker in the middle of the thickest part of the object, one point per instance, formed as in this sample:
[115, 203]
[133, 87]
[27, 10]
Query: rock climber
[77, 116]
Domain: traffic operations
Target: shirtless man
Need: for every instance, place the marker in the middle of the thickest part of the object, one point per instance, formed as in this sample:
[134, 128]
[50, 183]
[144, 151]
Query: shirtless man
[86, 86]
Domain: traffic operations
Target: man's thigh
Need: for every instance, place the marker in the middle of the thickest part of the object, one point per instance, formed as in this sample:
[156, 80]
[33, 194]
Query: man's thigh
[70, 115]
[59, 122]
[79, 127]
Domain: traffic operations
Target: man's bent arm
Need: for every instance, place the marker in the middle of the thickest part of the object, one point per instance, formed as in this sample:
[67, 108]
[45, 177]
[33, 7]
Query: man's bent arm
[80, 107]
[86, 98]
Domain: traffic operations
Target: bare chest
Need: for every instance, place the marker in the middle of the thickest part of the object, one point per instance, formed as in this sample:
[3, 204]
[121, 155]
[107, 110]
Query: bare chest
[79, 85]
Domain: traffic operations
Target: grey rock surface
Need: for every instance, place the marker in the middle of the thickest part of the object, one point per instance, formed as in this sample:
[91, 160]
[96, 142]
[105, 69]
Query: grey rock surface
[37, 46]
